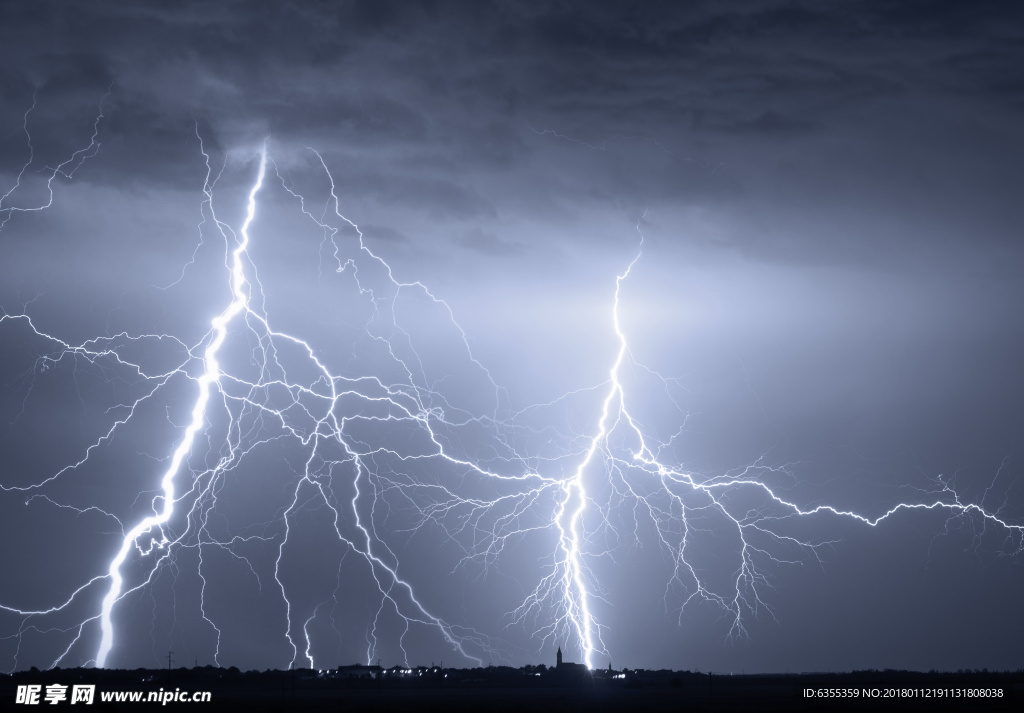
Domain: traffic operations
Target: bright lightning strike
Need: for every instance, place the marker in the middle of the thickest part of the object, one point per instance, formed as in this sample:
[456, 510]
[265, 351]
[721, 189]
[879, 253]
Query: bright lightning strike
[380, 447]
[211, 375]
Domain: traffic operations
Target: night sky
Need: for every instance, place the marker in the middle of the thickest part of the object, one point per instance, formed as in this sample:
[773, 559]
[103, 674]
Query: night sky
[824, 204]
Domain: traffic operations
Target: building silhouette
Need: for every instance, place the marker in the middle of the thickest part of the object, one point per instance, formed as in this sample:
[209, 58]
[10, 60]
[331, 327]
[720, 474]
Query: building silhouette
[567, 670]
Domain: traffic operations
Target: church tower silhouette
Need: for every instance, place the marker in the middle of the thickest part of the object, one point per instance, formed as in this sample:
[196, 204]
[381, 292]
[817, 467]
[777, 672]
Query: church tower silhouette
[558, 657]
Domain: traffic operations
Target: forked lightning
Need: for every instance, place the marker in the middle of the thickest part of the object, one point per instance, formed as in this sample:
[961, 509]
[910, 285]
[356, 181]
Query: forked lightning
[389, 439]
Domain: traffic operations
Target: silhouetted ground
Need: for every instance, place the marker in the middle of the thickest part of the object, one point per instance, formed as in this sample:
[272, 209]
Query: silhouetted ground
[531, 689]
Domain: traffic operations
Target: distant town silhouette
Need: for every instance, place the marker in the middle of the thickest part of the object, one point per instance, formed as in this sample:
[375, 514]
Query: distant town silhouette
[565, 686]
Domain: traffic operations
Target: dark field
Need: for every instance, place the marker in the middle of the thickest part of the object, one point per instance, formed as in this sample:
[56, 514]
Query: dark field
[500, 689]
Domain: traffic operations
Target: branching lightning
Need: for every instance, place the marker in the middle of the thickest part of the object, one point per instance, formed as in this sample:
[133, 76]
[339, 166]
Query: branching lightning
[387, 439]
[66, 169]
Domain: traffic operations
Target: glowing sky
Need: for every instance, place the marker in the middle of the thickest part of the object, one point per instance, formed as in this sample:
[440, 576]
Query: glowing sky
[827, 301]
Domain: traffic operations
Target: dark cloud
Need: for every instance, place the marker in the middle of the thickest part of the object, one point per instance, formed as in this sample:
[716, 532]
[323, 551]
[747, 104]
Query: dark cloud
[771, 123]
[383, 232]
[489, 244]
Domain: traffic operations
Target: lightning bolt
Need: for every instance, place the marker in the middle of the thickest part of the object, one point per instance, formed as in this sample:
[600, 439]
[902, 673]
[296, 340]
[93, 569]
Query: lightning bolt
[389, 456]
[211, 375]
[152, 537]
[65, 169]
